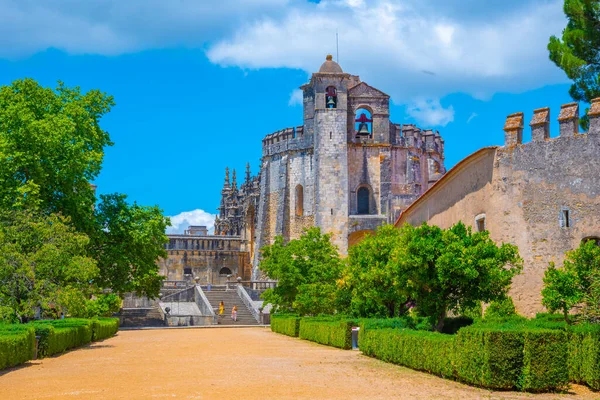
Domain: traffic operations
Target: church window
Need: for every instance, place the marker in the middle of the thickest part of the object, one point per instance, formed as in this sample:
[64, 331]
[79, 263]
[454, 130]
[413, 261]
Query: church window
[331, 97]
[362, 200]
[299, 200]
[224, 271]
[363, 123]
[480, 223]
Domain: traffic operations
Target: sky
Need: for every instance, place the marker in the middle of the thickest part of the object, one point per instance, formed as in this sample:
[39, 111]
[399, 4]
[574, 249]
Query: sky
[198, 84]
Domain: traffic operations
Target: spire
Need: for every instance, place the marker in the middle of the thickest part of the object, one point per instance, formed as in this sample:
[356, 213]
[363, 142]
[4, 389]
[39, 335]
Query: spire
[247, 172]
[227, 176]
[233, 181]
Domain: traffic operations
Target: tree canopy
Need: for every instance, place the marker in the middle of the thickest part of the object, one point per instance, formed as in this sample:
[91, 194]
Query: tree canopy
[577, 52]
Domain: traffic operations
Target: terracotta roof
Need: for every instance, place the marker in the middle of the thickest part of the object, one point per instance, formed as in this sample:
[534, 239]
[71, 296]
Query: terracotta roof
[541, 116]
[514, 121]
[595, 108]
[569, 111]
[330, 67]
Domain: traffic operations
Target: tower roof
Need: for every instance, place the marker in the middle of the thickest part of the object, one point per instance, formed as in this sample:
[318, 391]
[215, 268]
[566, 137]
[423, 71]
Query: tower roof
[330, 66]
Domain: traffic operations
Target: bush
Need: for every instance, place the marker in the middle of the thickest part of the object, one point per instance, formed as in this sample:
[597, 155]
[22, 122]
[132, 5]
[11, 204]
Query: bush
[489, 357]
[328, 331]
[584, 355]
[17, 345]
[57, 336]
[103, 328]
[424, 351]
[285, 324]
[545, 360]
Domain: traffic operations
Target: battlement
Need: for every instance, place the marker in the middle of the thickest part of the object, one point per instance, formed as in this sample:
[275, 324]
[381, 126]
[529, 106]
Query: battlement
[289, 139]
[409, 135]
[568, 119]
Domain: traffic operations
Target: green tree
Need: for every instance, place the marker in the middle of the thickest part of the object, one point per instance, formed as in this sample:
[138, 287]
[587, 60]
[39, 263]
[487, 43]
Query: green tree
[128, 241]
[51, 148]
[578, 51]
[372, 285]
[570, 286]
[40, 256]
[307, 270]
[453, 269]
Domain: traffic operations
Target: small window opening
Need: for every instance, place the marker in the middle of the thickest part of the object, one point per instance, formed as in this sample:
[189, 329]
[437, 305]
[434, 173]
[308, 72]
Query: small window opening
[330, 135]
[299, 200]
[224, 271]
[480, 223]
[187, 271]
[362, 201]
[331, 97]
[565, 219]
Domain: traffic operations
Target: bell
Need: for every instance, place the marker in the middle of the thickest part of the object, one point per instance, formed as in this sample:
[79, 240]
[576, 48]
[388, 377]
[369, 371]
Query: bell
[330, 102]
[363, 130]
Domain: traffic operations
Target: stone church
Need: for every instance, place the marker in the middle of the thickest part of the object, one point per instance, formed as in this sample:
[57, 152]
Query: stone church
[347, 169]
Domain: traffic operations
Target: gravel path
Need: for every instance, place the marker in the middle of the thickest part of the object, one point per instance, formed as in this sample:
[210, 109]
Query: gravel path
[244, 363]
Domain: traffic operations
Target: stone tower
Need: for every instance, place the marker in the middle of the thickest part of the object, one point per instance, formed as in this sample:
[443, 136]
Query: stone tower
[328, 124]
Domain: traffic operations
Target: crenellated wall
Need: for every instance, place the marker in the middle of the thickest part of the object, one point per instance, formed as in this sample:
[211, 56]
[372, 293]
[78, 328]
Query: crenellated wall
[543, 196]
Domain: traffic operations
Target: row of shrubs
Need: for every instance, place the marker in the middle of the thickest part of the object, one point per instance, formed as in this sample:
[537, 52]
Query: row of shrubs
[18, 341]
[530, 355]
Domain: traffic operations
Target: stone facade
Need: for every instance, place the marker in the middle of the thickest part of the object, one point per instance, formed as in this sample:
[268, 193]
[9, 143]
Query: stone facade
[543, 196]
[314, 174]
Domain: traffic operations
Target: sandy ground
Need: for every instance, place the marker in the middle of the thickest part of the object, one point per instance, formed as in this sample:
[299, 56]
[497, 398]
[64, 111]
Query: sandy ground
[241, 363]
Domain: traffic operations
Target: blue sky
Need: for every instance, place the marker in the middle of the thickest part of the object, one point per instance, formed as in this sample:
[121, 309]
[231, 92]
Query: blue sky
[198, 84]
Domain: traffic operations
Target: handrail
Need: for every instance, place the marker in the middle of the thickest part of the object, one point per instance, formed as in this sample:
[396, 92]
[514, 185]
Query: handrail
[248, 302]
[203, 303]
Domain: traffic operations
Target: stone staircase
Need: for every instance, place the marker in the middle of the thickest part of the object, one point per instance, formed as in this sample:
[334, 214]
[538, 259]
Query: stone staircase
[138, 317]
[229, 298]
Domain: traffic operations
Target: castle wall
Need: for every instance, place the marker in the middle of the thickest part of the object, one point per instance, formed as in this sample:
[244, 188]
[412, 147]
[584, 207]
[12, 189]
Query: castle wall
[523, 191]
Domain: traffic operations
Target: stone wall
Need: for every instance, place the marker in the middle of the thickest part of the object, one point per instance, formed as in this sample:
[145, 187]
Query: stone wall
[522, 191]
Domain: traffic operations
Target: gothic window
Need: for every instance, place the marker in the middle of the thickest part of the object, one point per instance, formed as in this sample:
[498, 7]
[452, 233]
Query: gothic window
[224, 271]
[330, 97]
[299, 200]
[362, 200]
[363, 123]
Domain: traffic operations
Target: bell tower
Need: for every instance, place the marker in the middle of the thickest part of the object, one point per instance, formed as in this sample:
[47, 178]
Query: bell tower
[326, 115]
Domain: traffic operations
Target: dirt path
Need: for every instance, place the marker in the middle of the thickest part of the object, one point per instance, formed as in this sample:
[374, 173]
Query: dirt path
[250, 363]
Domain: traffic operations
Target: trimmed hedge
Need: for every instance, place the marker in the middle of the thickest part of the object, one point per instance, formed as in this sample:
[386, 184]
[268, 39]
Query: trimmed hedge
[327, 331]
[17, 345]
[545, 361]
[61, 335]
[421, 350]
[584, 355]
[285, 324]
[103, 328]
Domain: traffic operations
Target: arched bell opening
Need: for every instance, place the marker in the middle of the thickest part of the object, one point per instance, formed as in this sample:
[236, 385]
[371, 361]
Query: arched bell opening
[363, 123]
[331, 97]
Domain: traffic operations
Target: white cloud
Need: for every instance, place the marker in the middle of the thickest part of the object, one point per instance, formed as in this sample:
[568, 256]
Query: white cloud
[431, 113]
[296, 98]
[181, 221]
[472, 117]
[472, 46]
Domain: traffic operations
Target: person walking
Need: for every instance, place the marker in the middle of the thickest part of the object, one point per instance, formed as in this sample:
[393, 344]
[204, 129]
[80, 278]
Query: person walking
[221, 309]
[234, 313]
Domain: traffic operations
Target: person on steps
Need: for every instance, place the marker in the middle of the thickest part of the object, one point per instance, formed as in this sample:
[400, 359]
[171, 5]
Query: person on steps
[221, 309]
[234, 313]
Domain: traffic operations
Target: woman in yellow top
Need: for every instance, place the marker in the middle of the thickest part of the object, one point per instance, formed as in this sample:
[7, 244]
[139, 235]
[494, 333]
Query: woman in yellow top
[234, 313]
[221, 309]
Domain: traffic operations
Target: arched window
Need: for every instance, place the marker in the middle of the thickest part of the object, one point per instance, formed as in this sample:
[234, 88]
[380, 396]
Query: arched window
[363, 123]
[331, 97]
[594, 239]
[362, 200]
[224, 271]
[299, 200]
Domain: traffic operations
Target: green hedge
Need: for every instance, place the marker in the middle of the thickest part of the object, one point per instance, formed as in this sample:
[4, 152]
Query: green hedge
[285, 324]
[488, 357]
[60, 335]
[17, 345]
[331, 332]
[545, 360]
[584, 355]
[103, 328]
[421, 350]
